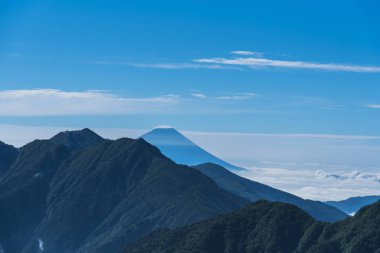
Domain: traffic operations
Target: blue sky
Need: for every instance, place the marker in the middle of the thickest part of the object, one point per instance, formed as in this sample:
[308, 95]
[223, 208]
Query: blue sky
[262, 67]
[119, 46]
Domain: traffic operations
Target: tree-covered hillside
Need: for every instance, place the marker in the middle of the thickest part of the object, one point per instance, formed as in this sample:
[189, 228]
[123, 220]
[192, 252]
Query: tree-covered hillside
[269, 227]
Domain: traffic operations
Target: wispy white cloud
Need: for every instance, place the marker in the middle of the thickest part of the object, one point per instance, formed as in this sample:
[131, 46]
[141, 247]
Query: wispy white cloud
[47, 102]
[199, 95]
[373, 106]
[354, 175]
[177, 66]
[258, 62]
[52, 102]
[233, 96]
[168, 66]
[237, 96]
[248, 59]
[247, 53]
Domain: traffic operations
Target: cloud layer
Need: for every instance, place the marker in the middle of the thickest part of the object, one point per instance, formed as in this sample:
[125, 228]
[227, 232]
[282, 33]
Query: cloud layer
[47, 102]
[52, 102]
[317, 184]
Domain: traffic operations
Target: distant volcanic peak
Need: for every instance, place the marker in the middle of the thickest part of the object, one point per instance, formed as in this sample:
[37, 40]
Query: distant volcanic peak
[166, 131]
[161, 130]
[164, 127]
[182, 150]
[166, 137]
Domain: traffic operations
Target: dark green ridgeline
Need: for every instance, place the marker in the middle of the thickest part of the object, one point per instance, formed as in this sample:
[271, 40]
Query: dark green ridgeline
[8, 155]
[25, 186]
[269, 227]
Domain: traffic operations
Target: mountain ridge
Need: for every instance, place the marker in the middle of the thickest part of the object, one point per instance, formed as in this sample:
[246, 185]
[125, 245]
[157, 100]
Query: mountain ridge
[265, 227]
[77, 139]
[8, 155]
[123, 189]
[353, 204]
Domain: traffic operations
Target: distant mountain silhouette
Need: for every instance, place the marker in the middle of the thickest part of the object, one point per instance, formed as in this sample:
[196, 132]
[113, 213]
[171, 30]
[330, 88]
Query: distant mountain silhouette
[352, 205]
[266, 227]
[78, 193]
[182, 150]
[8, 155]
[254, 191]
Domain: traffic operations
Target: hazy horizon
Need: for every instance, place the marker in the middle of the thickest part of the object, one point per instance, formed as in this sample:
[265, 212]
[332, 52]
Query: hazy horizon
[312, 180]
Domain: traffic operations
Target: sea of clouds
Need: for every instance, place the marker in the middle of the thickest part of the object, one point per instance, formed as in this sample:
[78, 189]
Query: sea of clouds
[321, 183]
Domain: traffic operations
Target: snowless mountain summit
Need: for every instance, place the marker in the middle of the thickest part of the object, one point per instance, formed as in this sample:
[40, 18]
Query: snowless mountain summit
[179, 148]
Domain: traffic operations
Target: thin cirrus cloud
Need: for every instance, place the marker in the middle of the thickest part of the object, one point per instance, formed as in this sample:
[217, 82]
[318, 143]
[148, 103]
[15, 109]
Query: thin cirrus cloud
[247, 53]
[373, 106]
[49, 102]
[53, 102]
[167, 66]
[199, 95]
[252, 60]
[238, 96]
[235, 96]
[258, 62]
[176, 66]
